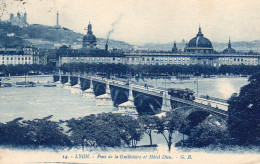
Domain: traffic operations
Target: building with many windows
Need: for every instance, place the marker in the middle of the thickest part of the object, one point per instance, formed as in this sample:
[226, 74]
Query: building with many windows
[16, 56]
[199, 50]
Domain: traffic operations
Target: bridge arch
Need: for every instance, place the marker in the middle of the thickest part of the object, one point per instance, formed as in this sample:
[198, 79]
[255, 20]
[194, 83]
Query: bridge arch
[119, 96]
[147, 104]
[99, 88]
[193, 115]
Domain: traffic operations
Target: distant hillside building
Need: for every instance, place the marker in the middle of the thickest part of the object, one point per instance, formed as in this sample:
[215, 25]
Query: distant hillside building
[19, 20]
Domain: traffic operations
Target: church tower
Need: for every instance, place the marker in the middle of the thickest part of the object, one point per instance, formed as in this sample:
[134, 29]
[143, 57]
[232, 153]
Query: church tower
[89, 40]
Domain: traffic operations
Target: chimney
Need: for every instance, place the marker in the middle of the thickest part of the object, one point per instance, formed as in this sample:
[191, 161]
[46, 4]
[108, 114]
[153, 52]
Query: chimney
[106, 47]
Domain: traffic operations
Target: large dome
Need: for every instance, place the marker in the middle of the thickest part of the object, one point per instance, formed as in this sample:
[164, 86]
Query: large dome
[200, 41]
[89, 38]
[199, 44]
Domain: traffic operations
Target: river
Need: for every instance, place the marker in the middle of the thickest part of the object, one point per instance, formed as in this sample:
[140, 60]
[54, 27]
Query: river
[39, 101]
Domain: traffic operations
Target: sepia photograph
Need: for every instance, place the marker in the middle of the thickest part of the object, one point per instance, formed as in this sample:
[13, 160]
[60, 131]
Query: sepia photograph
[129, 81]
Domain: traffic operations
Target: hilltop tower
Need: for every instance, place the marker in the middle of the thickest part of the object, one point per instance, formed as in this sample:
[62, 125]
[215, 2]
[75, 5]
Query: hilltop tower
[57, 20]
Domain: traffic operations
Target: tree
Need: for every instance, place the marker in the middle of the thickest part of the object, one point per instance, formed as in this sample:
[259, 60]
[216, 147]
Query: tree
[44, 132]
[244, 113]
[13, 133]
[211, 131]
[104, 130]
[172, 122]
[148, 124]
[129, 129]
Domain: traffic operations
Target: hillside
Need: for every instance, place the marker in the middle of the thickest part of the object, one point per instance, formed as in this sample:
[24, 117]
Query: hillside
[47, 37]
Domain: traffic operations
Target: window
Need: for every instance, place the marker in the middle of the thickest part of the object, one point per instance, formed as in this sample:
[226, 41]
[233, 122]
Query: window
[7, 58]
[87, 58]
[29, 58]
[152, 59]
[11, 58]
[143, 58]
[93, 58]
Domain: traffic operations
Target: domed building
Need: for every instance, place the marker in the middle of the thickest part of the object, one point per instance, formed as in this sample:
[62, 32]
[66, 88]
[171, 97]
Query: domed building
[229, 50]
[199, 44]
[89, 40]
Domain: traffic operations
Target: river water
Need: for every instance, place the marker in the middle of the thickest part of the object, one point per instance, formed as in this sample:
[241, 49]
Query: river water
[39, 101]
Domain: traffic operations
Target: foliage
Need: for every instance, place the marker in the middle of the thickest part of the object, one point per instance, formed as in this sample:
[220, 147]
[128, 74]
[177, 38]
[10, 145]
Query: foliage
[33, 133]
[13, 133]
[44, 132]
[104, 130]
[172, 122]
[208, 132]
[156, 70]
[148, 124]
[244, 113]
[22, 69]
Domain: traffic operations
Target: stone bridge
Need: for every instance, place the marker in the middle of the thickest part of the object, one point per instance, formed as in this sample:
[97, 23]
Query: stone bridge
[143, 100]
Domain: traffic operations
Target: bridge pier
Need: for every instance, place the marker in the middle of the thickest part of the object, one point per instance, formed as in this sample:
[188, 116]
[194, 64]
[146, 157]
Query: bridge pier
[76, 88]
[89, 93]
[67, 85]
[59, 83]
[128, 107]
[166, 104]
[105, 99]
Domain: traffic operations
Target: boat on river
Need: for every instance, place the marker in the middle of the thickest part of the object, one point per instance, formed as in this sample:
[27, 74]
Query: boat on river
[50, 85]
[25, 84]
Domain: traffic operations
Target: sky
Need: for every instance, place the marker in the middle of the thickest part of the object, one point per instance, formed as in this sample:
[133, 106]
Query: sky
[147, 21]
